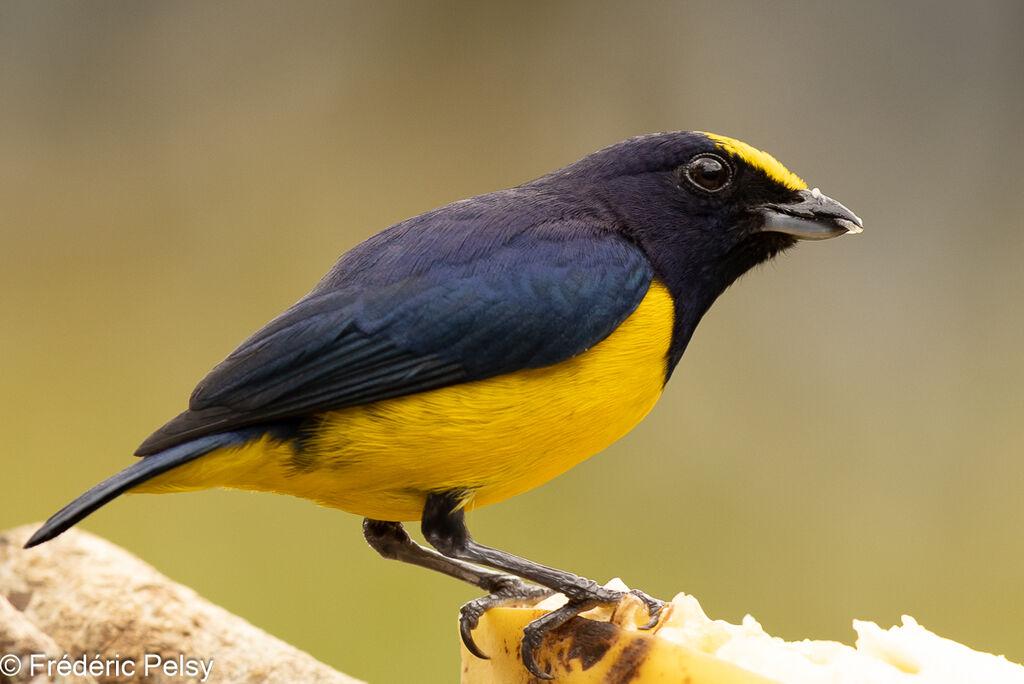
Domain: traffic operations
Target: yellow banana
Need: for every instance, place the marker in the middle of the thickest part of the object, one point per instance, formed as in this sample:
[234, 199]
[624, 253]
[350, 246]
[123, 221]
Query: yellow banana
[608, 645]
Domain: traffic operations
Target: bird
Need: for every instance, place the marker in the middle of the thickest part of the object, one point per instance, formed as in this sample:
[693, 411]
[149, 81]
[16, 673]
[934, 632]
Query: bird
[473, 352]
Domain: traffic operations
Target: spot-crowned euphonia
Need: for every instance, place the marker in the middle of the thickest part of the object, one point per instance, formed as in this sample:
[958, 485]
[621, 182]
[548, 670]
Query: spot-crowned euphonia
[473, 352]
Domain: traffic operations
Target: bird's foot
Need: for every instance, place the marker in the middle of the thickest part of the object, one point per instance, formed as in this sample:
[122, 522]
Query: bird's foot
[514, 590]
[534, 633]
[506, 590]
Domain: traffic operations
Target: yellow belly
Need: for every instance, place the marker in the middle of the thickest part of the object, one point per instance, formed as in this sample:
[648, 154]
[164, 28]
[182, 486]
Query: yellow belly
[491, 439]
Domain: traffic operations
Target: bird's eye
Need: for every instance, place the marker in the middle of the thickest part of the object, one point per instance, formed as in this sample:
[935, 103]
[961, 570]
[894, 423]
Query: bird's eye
[709, 172]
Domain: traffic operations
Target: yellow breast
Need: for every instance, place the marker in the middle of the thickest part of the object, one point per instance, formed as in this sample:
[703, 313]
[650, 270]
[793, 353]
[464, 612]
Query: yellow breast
[491, 439]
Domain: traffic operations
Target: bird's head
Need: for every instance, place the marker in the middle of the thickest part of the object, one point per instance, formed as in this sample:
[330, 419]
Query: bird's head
[703, 196]
[704, 208]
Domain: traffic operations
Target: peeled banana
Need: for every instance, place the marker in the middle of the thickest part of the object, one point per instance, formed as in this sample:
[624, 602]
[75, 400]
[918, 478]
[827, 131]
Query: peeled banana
[607, 645]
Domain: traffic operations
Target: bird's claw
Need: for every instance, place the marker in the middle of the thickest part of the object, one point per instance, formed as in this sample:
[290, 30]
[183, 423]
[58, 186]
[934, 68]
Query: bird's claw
[509, 589]
[654, 608]
[506, 590]
[534, 633]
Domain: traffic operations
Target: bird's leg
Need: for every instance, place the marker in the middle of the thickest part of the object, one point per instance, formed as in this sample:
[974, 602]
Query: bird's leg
[390, 540]
[444, 526]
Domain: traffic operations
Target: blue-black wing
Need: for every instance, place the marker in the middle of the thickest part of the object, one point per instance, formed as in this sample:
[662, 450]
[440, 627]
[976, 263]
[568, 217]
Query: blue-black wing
[458, 294]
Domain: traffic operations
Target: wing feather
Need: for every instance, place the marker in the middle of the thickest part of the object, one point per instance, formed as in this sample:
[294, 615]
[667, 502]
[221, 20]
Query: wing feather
[434, 301]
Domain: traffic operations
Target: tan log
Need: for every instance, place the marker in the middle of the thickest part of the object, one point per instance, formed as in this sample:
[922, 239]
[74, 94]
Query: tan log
[85, 598]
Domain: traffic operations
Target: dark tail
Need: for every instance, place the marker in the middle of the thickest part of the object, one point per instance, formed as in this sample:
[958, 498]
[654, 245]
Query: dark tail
[148, 467]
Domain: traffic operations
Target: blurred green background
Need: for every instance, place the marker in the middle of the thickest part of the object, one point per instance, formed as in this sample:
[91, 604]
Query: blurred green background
[842, 439]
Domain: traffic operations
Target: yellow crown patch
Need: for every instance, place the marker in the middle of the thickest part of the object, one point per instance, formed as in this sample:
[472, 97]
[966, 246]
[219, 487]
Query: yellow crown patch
[759, 159]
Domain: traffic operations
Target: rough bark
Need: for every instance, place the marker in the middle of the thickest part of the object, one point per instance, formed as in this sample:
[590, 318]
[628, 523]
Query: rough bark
[82, 596]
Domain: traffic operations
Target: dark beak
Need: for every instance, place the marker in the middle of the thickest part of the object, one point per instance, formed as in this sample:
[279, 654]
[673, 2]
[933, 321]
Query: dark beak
[811, 216]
